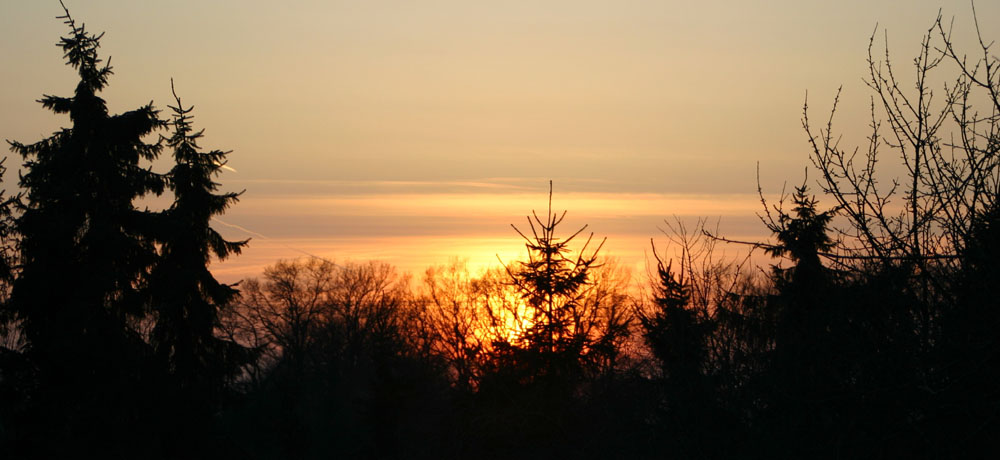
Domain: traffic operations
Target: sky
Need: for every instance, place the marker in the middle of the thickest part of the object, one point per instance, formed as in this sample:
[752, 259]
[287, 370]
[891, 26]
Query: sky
[417, 132]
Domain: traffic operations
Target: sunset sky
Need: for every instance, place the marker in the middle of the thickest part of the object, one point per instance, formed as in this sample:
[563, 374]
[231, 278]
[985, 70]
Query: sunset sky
[413, 132]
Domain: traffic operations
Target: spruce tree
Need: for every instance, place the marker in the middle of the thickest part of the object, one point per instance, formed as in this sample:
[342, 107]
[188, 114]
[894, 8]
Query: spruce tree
[554, 285]
[13, 367]
[809, 360]
[85, 246]
[185, 296]
[676, 332]
[803, 290]
[8, 264]
[802, 238]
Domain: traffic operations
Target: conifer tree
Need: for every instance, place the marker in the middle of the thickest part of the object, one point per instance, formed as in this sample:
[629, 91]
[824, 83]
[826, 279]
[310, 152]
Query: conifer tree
[678, 334]
[675, 331]
[803, 298]
[8, 254]
[802, 238]
[554, 285]
[85, 245]
[185, 296]
[809, 360]
[13, 367]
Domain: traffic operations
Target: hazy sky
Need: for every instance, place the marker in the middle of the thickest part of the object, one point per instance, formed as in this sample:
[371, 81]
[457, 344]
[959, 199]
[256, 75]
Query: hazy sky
[412, 131]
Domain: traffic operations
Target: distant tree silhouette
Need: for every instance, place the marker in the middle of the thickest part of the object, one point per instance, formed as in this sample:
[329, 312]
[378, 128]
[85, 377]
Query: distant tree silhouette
[561, 332]
[672, 330]
[471, 320]
[338, 371]
[805, 359]
[10, 333]
[538, 382]
[452, 316]
[282, 315]
[678, 335]
[81, 229]
[14, 369]
[804, 288]
[707, 326]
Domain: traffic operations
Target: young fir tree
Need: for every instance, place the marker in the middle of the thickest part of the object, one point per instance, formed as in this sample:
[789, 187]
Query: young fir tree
[676, 332]
[84, 247]
[554, 285]
[803, 289]
[809, 361]
[802, 238]
[678, 335]
[185, 296]
[533, 383]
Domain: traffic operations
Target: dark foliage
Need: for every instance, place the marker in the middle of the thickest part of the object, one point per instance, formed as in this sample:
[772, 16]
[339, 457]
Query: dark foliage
[184, 297]
[84, 244]
[112, 305]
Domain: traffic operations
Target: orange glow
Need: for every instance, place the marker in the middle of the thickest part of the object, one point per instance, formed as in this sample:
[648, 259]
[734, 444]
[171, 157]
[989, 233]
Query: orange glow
[510, 320]
[412, 254]
[508, 204]
[415, 231]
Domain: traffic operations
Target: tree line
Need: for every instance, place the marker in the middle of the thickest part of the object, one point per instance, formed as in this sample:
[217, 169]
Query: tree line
[872, 335]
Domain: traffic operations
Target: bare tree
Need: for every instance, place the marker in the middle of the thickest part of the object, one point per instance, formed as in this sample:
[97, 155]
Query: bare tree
[451, 304]
[306, 312]
[947, 147]
[368, 310]
[280, 316]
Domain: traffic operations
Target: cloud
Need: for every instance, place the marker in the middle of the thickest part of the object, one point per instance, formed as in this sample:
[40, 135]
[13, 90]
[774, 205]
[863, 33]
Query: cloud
[432, 222]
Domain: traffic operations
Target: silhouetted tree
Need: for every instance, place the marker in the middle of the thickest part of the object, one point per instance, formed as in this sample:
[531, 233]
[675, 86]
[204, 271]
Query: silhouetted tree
[678, 335]
[708, 330]
[81, 229]
[923, 245]
[561, 332]
[14, 369]
[282, 315]
[338, 370]
[9, 242]
[802, 237]
[672, 330]
[452, 316]
[471, 319]
[185, 297]
[10, 333]
[538, 382]
[805, 359]
[923, 222]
